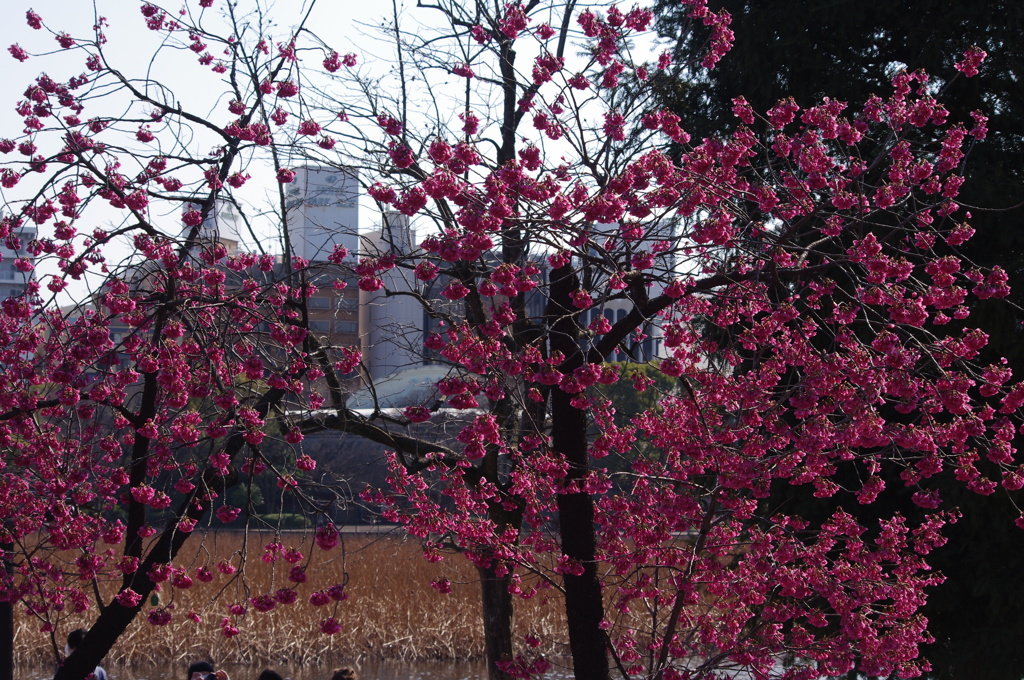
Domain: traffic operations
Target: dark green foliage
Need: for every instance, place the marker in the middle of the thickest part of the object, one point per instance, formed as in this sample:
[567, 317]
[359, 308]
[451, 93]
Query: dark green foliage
[976, 615]
[629, 401]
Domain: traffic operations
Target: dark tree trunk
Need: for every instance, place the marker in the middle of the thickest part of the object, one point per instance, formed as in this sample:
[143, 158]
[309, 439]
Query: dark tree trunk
[497, 613]
[115, 618]
[584, 607]
[100, 638]
[6, 623]
[6, 641]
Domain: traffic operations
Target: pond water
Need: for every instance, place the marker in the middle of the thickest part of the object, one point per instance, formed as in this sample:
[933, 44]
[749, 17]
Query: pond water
[462, 670]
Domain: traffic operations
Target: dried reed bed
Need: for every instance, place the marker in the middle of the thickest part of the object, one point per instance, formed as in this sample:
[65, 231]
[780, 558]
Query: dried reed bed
[392, 612]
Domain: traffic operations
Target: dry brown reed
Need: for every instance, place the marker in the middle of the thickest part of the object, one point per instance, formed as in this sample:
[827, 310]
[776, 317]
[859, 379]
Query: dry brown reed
[392, 612]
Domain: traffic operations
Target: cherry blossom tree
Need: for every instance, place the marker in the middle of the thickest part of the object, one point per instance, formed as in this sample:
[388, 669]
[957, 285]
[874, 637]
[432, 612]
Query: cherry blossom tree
[674, 540]
[128, 417]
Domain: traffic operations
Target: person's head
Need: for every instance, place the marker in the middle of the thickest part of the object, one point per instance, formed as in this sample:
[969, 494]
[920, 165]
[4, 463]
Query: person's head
[199, 667]
[75, 638]
[270, 674]
[345, 673]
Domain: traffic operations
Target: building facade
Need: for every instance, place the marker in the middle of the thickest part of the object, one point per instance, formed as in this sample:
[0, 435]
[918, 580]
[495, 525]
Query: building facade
[324, 213]
[13, 281]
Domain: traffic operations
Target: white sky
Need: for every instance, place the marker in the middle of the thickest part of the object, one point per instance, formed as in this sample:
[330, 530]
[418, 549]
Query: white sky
[129, 48]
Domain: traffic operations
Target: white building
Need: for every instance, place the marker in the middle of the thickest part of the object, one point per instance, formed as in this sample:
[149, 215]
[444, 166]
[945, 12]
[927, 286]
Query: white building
[322, 205]
[13, 281]
[651, 344]
[324, 209]
[394, 323]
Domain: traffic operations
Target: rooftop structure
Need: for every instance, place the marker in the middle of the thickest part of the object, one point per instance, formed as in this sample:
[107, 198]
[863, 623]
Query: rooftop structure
[223, 225]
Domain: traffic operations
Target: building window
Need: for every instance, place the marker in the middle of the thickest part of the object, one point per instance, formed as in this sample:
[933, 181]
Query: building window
[318, 303]
[320, 326]
[347, 327]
